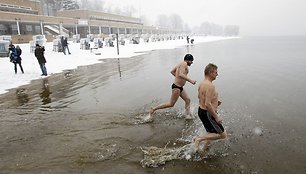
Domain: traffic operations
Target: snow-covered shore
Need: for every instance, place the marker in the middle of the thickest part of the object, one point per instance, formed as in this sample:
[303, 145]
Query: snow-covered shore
[57, 61]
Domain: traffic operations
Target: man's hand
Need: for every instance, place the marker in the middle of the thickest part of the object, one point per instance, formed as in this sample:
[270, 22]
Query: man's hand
[218, 120]
[193, 82]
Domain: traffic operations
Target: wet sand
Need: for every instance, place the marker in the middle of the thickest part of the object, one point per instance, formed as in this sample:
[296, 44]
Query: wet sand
[89, 120]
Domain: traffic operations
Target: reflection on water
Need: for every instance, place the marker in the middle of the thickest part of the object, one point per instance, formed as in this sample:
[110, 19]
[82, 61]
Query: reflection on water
[22, 96]
[119, 70]
[45, 94]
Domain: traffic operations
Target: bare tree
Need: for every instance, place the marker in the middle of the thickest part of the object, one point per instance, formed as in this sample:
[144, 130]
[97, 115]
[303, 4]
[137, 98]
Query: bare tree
[162, 21]
[176, 22]
[129, 10]
[97, 5]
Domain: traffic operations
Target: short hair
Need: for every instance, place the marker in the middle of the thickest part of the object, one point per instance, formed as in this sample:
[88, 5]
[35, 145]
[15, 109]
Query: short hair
[37, 45]
[209, 68]
[188, 57]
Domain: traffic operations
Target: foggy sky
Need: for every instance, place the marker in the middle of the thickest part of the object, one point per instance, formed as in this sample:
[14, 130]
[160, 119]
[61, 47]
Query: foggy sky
[255, 17]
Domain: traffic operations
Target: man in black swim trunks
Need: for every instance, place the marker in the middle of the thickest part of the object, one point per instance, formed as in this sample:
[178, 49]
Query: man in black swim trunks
[208, 101]
[180, 72]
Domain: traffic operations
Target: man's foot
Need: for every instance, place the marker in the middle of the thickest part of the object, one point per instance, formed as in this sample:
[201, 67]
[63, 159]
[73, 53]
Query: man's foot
[196, 144]
[148, 119]
[188, 115]
[151, 112]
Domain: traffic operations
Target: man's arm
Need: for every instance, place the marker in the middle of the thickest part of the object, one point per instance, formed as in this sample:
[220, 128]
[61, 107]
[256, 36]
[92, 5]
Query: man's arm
[182, 68]
[208, 98]
[173, 71]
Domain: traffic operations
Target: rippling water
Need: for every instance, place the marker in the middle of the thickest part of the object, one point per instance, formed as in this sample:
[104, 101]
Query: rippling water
[90, 120]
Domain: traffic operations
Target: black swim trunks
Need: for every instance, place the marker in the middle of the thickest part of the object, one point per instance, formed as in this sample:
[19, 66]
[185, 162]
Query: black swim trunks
[175, 86]
[209, 122]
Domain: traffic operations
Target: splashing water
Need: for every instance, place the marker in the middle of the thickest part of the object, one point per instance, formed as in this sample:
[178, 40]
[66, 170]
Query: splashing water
[143, 119]
[257, 131]
[154, 156]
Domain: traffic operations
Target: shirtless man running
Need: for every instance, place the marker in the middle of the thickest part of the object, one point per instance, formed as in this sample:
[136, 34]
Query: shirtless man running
[208, 104]
[180, 72]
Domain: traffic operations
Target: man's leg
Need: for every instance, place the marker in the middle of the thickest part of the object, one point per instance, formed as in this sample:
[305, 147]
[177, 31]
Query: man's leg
[174, 96]
[15, 68]
[209, 137]
[68, 49]
[21, 67]
[186, 98]
[41, 68]
[45, 69]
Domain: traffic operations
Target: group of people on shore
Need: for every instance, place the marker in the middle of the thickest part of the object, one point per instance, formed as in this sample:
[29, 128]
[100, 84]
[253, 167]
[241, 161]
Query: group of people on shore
[64, 43]
[15, 57]
[208, 101]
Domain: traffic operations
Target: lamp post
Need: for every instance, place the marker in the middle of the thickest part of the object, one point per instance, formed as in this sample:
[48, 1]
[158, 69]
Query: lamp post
[41, 27]
[76, 28]
[61, 28]
[17, 23]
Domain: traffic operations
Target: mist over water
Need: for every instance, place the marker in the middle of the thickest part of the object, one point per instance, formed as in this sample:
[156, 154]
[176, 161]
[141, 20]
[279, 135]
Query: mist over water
[92, 119]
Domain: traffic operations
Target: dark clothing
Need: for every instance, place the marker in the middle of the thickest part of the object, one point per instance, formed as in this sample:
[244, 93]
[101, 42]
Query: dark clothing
[65, 46]
[39, 54]
[19, 52]
[13, 54]
[209, 122]
[64, 42]
[178, 87]
[15, 57]
[15, 67]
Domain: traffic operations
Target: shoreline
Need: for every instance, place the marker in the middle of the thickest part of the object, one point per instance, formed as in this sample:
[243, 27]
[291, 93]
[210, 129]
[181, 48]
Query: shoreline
[58, 62]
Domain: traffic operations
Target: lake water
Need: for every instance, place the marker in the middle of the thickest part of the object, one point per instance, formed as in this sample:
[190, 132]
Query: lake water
[90, 120]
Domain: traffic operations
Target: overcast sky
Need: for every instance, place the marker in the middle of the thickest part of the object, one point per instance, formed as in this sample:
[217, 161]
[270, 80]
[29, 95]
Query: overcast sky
[255, 17]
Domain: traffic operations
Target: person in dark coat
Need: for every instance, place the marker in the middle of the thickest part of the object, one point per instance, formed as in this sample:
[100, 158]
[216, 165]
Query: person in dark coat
[39, 54]
[15, 57]
[64, 43]
[19, 52]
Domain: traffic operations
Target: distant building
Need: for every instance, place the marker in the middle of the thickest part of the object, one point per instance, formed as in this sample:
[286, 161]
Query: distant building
[24, 18]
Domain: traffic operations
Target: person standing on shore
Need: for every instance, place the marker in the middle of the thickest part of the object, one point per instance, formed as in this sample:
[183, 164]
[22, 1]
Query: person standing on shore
[15, 57]
[180, 72]
[39, 54]
[64, 43]
[19, 52]
[207, 112]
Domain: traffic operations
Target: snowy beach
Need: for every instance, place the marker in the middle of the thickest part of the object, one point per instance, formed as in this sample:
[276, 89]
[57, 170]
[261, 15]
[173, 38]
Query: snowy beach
[57, 61]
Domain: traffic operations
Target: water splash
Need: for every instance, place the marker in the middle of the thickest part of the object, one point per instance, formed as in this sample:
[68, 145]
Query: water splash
[143, 119]
[257, 131]
[108, 152]
[154, 156]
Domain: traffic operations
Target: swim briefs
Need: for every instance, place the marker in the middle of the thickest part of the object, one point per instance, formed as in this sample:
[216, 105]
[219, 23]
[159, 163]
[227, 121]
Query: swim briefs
[178, 87]
[209, 122]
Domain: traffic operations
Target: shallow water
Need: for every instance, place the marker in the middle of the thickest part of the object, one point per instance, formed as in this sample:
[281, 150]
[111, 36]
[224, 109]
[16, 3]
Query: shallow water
[90, 120]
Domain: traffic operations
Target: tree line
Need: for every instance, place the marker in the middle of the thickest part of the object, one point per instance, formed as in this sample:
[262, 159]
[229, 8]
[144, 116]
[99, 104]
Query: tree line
[173, 21]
